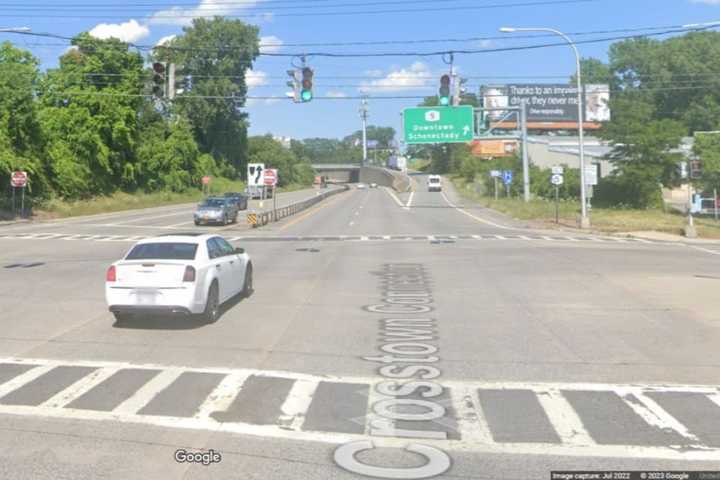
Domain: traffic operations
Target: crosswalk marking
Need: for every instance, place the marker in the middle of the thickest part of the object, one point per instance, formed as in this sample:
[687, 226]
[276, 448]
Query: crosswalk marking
[223, 395]
[141, 398]
[79, 388]
[563, 418]
[364, 238]
[297, 403]
[338, 409]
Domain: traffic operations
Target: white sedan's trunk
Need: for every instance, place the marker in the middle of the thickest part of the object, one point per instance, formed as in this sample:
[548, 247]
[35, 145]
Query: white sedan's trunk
[150, 274]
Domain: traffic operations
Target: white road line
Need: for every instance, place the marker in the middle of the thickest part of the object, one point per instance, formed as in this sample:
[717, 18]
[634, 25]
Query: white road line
[655, 415]
[471, 420]
[500, 237]
[410, 199]
[714, 252]
[564, 419]
[386, 237]
[572, 239]
[297, 404]
[180, 224]
[431, 238]
[142, 219]
[351, 224]
[545, 237]
[477, 237]
[394, 197]
[642, 240]
[524, 237]
[715, 398]
[24, 378]
[223, 395]
[363, 239]
[146, 393]
[482, 220]
[79, 388]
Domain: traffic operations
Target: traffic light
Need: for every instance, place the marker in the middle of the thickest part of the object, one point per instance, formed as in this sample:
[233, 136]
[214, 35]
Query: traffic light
[695, 169]
[159, 88]
[444, 93]
[307, 83]
[295, 84]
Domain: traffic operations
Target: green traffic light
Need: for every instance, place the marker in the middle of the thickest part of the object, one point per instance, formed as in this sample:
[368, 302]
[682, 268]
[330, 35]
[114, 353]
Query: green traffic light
[306, 95]
[444, 100]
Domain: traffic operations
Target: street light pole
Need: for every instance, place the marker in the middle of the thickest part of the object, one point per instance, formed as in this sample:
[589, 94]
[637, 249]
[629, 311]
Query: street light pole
[584, 219]
[364, 116]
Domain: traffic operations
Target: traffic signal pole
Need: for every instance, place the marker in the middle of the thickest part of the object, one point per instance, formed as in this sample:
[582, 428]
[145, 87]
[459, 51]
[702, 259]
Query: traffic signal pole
[364, 117]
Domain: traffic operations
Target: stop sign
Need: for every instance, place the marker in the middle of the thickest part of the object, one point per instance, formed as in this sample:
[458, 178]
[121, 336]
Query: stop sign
[270, 177]
[18, 179]
[206, 180]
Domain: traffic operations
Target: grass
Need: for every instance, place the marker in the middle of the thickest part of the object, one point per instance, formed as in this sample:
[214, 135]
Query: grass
[120, 201]
[606, 220]
[419, 164]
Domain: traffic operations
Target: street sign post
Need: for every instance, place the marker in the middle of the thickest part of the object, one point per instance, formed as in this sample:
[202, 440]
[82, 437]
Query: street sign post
[557, 170]
[206, 185]
[19, 179]
[557, 179]
[255, 174]
[438, 124]
[495, 174]
[270, 177]
[507, 176]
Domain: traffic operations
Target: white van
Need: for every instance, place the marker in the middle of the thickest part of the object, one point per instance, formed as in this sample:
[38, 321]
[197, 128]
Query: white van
[434, 183]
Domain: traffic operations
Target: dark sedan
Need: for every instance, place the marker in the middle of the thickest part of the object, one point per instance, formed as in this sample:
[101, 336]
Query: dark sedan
[240, 199]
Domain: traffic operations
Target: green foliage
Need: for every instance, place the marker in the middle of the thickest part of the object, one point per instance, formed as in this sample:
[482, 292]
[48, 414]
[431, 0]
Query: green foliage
[220, 127]
[707, 150]
[292, 170]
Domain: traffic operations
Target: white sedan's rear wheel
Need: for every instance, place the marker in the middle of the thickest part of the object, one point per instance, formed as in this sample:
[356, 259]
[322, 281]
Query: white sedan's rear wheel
[212, 304]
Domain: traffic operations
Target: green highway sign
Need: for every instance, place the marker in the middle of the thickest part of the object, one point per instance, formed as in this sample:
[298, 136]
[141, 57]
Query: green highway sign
[439, 124]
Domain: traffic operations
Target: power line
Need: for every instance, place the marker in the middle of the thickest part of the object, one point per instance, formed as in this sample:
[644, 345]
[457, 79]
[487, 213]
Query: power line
[322, 14]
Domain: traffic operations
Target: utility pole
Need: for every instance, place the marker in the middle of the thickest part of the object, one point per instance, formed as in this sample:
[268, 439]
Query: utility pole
[456, 87]
[525, 161]
[364, 117]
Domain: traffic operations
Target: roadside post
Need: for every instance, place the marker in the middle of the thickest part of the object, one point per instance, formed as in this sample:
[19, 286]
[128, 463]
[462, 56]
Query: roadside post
[715, 197]
[270, 178]
[495, 174]
[557, 179]
[19, 179]
[507, 176]
[206, 185]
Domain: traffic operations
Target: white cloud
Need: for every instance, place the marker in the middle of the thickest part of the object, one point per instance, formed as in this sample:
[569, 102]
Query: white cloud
[487, 43]
[374, 73]
[417, 76]
[206, 8]
[130, 31]
[336, 94]
[270, 44]
[707, 2]
[255, 78]
[165, 40]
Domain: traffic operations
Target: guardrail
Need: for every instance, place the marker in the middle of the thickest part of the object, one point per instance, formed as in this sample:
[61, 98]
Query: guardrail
[259, 219]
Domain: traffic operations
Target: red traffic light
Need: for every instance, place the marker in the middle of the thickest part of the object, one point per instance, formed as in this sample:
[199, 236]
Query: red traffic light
[159, 68]
[445, 81]
[307, 75]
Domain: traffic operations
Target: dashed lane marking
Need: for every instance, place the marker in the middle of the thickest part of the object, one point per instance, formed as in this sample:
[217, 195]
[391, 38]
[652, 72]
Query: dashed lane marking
[472, 419]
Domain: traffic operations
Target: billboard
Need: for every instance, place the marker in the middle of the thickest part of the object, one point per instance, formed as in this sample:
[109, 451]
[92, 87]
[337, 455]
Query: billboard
[494, 148]
[548, 102]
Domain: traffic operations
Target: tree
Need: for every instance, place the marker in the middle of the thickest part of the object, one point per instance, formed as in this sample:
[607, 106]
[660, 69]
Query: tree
[593, 71]
[90, 120]
[218, 53]
[707, 149]
[21, 139]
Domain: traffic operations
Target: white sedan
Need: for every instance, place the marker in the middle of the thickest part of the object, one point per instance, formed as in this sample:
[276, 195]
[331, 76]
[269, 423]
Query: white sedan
[186, 273]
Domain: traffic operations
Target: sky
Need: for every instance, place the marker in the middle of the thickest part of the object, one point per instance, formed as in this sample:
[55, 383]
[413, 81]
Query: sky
[283, 23]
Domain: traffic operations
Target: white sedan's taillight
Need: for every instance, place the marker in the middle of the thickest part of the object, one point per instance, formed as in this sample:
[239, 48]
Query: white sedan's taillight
[111, 276]
[189, 275]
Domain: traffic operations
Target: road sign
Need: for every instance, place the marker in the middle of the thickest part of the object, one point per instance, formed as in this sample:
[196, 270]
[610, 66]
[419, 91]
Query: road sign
[206, 180]
[558, 170]
[438, 124]
[270, 178]
[495, 173]
[591, 176]
[556, 179]
[507, 176]
[255, 174]
[19, 179]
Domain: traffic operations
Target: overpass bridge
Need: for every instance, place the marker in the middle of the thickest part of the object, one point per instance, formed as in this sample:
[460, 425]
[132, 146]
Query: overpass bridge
[353, 173]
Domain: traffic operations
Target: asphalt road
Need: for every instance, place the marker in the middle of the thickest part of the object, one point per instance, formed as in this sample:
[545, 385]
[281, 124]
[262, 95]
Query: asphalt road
[552, 351]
